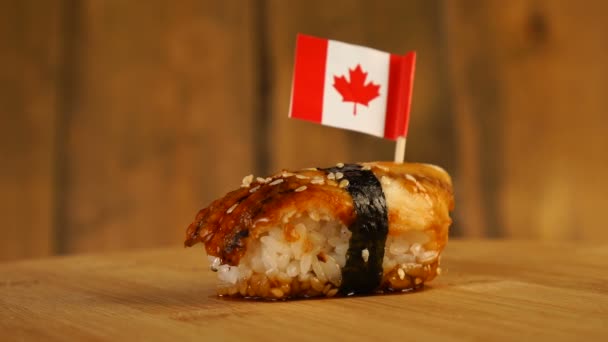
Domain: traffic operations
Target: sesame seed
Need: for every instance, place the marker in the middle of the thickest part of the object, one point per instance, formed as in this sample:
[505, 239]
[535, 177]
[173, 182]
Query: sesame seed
[254, 189]
[286, 174]
[277, 181]
[277, 292]
[411, 178]
[318, 180]
[339, 175]
[261, 180]
[438, 271]
[302, 188]
[421, 187]
[340, 165]
[401, 273]
[261, 220]
[366, 167]
[231, 208]
[247, 181]
[343, 183]
[331, 175]
[302, 177]
[311, 169]
[268, 179]
[365, 254]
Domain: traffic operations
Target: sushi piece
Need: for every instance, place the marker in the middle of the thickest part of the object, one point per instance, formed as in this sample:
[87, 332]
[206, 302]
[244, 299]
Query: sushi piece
[350, 229]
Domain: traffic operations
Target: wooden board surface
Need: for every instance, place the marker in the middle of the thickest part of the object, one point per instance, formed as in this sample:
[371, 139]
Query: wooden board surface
[488, 290]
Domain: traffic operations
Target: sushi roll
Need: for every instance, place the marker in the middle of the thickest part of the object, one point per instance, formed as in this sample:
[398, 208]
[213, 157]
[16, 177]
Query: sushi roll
[343, 230]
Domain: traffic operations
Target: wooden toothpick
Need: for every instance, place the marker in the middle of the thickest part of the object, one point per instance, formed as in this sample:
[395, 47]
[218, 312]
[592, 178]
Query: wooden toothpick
[400, 150]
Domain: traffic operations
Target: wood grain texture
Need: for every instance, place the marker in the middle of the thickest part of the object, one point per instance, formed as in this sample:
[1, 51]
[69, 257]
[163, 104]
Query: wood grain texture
[160, 119]
[486, 292]
[115, 114]
[392, 26]
[30, 68]
[528, 83]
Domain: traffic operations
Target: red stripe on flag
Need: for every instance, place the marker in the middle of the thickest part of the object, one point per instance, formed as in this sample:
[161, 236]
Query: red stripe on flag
[309, 78]
[399, 99]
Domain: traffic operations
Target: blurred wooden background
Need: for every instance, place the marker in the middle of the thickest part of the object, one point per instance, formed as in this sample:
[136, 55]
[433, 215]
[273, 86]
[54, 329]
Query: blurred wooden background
[120, 119]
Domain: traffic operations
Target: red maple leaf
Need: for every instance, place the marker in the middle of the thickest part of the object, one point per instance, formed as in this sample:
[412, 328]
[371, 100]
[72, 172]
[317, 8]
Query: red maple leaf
[356, 90]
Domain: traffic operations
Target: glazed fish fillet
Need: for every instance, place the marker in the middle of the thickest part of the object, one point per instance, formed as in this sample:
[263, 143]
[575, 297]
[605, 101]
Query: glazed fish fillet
[343, 230]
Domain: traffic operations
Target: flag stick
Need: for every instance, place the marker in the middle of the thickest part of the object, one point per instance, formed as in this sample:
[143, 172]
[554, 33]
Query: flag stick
[400, 150]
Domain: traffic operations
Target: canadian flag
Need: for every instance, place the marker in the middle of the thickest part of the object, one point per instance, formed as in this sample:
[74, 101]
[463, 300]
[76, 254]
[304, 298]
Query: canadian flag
[352, 87]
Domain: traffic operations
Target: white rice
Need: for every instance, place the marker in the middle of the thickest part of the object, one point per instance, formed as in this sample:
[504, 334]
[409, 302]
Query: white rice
[304, 257]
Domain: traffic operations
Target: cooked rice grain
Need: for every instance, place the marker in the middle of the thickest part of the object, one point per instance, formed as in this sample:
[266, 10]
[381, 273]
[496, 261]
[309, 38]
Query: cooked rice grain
[306, 261]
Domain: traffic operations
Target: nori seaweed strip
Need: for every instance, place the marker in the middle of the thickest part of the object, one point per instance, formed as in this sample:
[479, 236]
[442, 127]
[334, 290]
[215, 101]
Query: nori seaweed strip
[369, 231]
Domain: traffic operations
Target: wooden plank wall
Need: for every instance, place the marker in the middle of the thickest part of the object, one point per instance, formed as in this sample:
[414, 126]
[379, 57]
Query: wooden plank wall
[153, 108]
[529, 82]
[160, 124]
[30, 73]
[120, 120]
